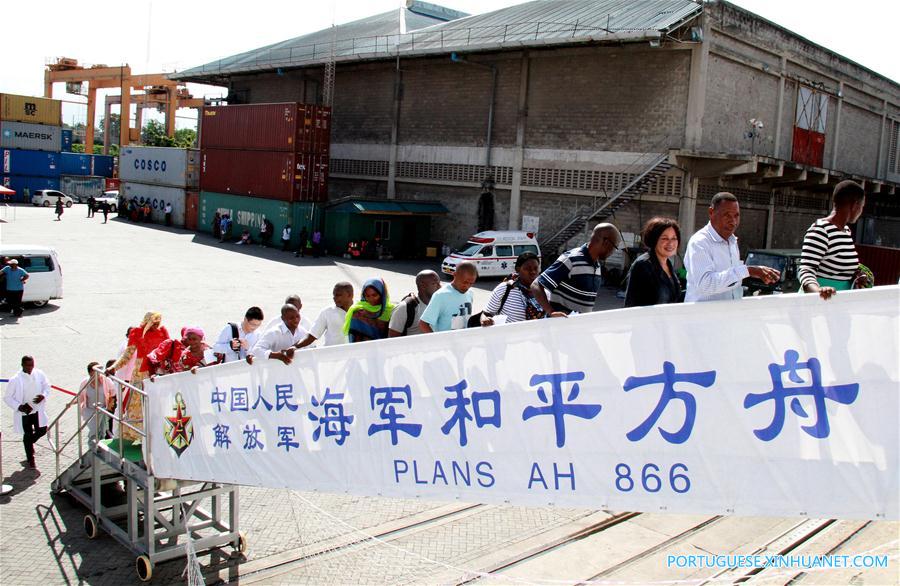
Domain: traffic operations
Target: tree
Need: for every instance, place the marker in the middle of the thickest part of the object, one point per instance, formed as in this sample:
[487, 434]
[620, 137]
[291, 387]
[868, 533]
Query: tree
[154, 134]
[114, 126]
[185, 138]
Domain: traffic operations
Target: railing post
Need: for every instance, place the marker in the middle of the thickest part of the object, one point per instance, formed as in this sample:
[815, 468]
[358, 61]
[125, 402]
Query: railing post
[56, 447]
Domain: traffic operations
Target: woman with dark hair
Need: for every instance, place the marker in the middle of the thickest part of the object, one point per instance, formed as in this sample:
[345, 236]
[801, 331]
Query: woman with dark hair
[652, 279]
[828, 262]
[513, 298]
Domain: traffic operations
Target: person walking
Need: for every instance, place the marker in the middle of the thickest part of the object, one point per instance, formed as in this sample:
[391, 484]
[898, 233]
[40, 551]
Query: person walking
[512, 299]
[59, 209]
[317, 243]
[286, 238]
[304, 241]
[280, 341]
[712, 260]
[168, 213]
[94, 390]
[330, 322]
[571, 283]
[407, 313]
[26, 393]
[265, 232]
[236, 339]
[368, 318]
[15, 285]
[91, 206]
[217, 225]
[651, 278]
[451, 306]
[104, 207]
[828, 259]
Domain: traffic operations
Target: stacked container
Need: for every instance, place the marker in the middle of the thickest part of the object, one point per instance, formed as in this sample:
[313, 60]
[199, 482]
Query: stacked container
[161, 175]
[260, 153]
[30, 141]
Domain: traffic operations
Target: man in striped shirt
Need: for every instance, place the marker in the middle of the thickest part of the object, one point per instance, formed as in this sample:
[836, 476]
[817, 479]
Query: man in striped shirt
[828, 262]
[571, 283]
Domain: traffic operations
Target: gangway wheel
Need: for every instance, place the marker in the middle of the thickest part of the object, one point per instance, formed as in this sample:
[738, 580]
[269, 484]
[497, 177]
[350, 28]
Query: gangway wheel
[144, 568]
[242, 542]
[90, 526]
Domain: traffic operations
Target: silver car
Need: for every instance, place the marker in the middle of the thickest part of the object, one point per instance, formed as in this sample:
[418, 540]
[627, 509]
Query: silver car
[48, 197]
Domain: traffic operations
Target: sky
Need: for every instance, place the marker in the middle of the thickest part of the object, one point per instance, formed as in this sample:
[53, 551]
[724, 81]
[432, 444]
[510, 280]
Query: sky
[167, 35]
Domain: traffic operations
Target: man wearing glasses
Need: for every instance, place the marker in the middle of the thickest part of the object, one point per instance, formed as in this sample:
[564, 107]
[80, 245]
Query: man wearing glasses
[571, 283]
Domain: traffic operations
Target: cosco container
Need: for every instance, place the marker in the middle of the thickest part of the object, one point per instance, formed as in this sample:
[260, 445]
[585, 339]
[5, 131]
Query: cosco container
[25, 186]
[158, 196]
[75, 164]
[283, 127]
[32, 137]
[30, 163]
[269, 174]
[102, 165]
[66, 140]
[174, 167]
[14, 108]
[81, 187]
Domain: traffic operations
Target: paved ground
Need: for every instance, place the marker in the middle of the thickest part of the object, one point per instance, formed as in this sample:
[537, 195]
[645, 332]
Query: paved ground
[115, 272]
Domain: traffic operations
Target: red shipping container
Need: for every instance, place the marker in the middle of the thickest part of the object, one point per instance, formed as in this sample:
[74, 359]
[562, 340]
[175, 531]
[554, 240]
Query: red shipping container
[269, 174]
[884, 262]
[112, 184]
[287, 127]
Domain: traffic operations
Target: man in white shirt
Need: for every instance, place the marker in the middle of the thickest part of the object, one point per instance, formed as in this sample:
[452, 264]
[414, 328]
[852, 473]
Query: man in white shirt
[27, 394]
[298, 303]
[402, 324]
[94, 390]
[712, 260]
[280, 341]
[235, 340]
[330, 322]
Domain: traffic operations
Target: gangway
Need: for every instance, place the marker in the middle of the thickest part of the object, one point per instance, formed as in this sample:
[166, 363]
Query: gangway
[154, 518]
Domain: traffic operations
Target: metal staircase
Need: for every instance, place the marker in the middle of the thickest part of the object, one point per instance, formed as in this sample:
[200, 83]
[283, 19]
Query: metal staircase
[656, 168]
[154, 518]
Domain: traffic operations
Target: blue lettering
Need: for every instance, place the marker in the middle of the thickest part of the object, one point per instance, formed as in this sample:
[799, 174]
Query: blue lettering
[467, 476]
[163, 166]
[539, 477]
[489, 482]
[416, 473]
[398, 471]
[439, 473]
[557, 475]
[137, 164]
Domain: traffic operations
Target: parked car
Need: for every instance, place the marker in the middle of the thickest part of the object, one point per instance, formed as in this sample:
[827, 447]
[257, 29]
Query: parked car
[493, 252]
[44, 271]
[786, 261]
[48, 197]
[110, 197]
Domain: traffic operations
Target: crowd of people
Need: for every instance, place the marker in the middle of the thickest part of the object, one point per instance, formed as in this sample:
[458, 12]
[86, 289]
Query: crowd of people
[567, 287]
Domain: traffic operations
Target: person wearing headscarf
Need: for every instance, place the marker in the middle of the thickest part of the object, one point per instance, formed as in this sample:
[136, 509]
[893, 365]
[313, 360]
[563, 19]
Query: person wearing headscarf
[368, 318]
[142, 340]
[189, 353]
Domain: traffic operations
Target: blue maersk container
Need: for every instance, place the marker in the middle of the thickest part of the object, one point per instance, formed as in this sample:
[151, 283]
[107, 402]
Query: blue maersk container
[75, 164]
[66, 142]
[29, 163]
[25, 186]
[103, 165]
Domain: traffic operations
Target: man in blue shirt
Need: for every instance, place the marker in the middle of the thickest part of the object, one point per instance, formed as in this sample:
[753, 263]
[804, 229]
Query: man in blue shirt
[573, 280]
[451, 306]
[15, 285]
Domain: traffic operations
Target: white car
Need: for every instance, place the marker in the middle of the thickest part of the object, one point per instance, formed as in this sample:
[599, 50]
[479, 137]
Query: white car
[48, 197]
[110, 197]
[44, 271]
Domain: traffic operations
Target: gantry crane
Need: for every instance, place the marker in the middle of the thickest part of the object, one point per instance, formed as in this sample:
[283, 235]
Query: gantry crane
[158, 90]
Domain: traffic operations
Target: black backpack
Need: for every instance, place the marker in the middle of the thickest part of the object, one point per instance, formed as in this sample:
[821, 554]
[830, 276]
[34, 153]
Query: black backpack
[411, 302]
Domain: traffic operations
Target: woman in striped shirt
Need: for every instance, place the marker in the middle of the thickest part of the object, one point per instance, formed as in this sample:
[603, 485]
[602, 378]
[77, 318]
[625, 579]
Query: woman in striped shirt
[828, 262]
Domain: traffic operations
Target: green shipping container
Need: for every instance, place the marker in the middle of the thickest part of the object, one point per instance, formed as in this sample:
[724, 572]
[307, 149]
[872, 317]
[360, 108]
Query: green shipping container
[248, 213]
[401, 236]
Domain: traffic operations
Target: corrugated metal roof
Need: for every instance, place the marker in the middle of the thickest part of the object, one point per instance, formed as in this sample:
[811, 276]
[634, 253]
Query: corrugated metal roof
[389, 207]
[540, 22]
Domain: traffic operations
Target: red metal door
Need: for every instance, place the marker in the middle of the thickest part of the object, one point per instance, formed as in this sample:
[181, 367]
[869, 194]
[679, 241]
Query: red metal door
[191, 209]
[809, 127]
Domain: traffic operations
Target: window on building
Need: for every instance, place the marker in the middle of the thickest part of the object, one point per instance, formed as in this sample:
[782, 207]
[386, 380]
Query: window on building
[383, 229]
[893, 154]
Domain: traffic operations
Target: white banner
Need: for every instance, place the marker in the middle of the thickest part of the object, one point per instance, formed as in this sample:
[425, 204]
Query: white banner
[780, 406]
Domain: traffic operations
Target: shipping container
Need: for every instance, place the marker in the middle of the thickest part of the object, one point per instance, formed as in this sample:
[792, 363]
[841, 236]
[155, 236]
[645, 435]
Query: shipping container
[30, 163]
[246, 213]
[31, 137]
[112, 184]
[66, 140]
[25, 186]
[191, 209]
[884, 262]
[75, 164]
[174, 167]
[286, 127]
[269, 174]
[158, 196]
[81, 187]
[103, 165]
[14, 108]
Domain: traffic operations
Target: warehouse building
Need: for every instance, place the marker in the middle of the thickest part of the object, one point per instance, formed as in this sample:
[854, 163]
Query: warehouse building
[556, 114]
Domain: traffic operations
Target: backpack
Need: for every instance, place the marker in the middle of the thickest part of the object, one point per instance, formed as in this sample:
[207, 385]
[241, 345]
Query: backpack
[474, 320]
[411, 302]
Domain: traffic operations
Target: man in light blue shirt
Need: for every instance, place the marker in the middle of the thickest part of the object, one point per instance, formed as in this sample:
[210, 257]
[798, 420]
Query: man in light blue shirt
[712, 260]
[15, 285]
[451, 306]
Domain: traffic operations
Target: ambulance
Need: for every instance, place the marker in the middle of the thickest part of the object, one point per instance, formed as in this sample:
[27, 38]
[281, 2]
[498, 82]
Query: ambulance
[494, 252]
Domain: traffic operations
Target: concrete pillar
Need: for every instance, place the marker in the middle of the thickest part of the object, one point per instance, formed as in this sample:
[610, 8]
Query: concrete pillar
[780, 110]
[770, 220]
[395, 131]
[687, 208]
[107, 110]
[693, 130]
[837, 127]
[91, 116]
[882, 143]
[125, 108]
[515, 195]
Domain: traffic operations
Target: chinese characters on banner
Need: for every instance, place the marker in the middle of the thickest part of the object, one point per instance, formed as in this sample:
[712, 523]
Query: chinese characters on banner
[781, 406]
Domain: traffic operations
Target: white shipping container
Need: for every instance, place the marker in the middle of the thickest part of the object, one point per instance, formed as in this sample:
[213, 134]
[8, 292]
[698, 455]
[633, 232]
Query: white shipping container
[81, 187]
[158, 196]
[30, 137]
[173, 167]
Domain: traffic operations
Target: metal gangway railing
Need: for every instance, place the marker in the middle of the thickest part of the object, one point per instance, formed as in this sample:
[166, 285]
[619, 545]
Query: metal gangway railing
[157, 519]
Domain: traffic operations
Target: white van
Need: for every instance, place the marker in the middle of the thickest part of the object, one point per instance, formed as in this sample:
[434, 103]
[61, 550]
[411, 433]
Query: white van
[44, 271]
[493, 252]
